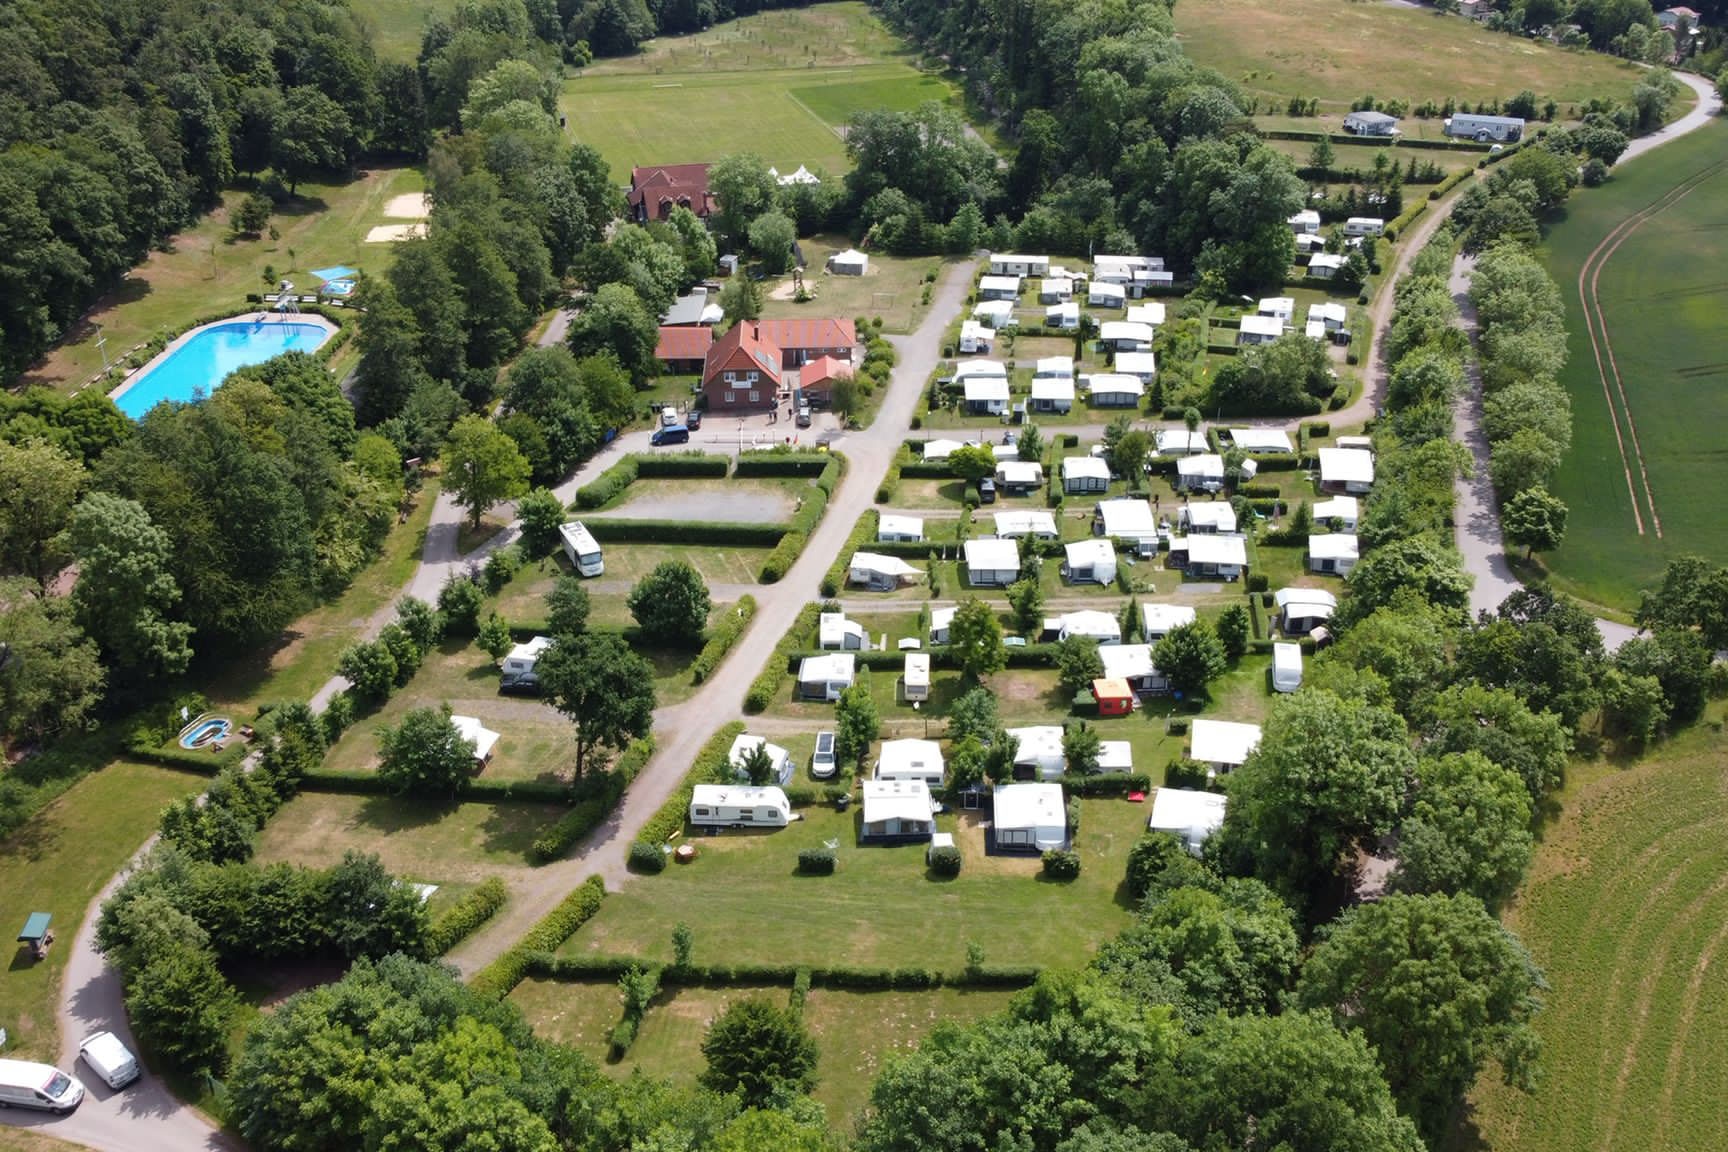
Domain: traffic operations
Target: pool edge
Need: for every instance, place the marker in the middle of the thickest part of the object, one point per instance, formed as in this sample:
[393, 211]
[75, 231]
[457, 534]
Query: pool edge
[139, 373]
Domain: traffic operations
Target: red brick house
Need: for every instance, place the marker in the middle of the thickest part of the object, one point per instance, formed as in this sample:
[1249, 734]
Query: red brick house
[799, 341]
[655, 191]
[684, 348]
[816, 380]
[742, 372]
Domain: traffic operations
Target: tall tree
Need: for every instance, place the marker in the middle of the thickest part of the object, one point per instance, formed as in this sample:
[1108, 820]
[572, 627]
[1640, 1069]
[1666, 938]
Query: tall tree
[741, 184]
[125, 587]
[482, 466]
[425, 756]
[50, 675]
[603, 686]
[615, 321]
[1468, 830]
[1190, 656]
[671, 604]
[760, 1051]
[39, 483]
[310, 136]
[856, 724]
[975, 639]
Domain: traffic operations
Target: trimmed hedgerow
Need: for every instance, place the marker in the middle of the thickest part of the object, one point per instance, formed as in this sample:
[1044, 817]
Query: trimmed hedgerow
[721, 637]
[604, 789]
[464, 917]
[862, 533]
[669, 820]
[764, 687]
[498, 978]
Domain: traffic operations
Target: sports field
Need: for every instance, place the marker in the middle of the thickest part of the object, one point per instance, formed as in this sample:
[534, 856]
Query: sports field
[1640, 262]
[1626, 909]
[779, 84]
[1338, 51]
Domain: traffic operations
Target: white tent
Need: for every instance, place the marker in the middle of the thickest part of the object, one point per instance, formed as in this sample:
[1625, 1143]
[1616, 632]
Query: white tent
[1150, 312]
[1054, 368]
[1259, 329]
[897, 808]
[1130, 521]
[1205, 518]
[1342, 508]
[1065, 316]
[1115, 389]
[848, 263]
[1223, 744]
[1039, 748]
[1190, 815]
[1141, 364]
[477, 734]
[1126, 336]
[1052, 394]
[995, 313]
[1203, 471]
[1346, 470]
[980, 369]
[1033, 522]
[992, 561]
[1030, 817]
[1085, 474]
[976, 337]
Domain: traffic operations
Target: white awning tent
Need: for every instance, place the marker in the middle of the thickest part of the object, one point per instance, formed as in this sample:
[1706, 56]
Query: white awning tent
[833, 630]
[999, 287]
[1259, 329]
[976, 337]
[1180, 442]
[911, 760]
[1106, 294]
[866, 565]
[1053, 390]
[941, 449]
[1109, 388]
[1020, 473]
[1064, 315]
[1054, 367]
[1338, 548]
[1217, 551]
[1126, 335]
[897, 808]
[1150, 312]
[893, 526]
[1262, 440]
[1093, 559]
[1334, 316]
[1222, 743]
[1030, 816]
[1158, 620]
[1085, 468]
[848, 263]
[1217, 516]
[980, 369]
[483, 738]
[1283, 307]
[1190, 815]
[995, 313]
[1208, 467]
[745, 745]
[1032, 522]
[1128, 520]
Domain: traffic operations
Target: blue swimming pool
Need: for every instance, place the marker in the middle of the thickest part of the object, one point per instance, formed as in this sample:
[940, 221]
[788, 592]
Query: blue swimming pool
[199, 366]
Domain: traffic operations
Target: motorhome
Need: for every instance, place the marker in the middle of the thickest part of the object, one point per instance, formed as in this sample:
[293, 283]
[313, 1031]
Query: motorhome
[1286, 667]
[582, 549]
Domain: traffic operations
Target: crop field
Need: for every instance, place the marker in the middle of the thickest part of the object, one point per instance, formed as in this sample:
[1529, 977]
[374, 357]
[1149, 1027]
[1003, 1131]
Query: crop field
[779, 84]
[1646, 253]
[1336, 52]
[1626, 909]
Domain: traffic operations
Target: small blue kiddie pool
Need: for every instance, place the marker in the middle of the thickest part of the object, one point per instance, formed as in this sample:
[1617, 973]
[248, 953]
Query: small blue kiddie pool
[205, 731]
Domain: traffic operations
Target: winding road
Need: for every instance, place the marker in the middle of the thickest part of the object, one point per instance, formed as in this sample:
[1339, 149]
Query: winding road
[147, 1118]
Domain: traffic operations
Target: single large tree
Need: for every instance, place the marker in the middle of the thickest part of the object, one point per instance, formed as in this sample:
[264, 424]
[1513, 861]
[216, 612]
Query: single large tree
[1190, 656]
[759, 1050]
[671, 604]
[482, 466]
[1078, 663]
[856, 723]
[310, 136]
[51, 676]
[567, 607]
[126, 587]
[605, 688]
[1468, 830]
[425, 756]
[39, 483]
[741, 184]
[615, 321]
[975, 639]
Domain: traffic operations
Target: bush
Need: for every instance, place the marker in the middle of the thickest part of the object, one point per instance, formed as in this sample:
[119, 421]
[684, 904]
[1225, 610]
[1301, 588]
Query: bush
[609, 486]
[1258, 582]
[498, 978]
[1178, 728]
[780, 560]
[721, 638]
[1061, 865]
[1185, 773]
[781, 464]
[862, 533]
[945, 861]
[465, 916]
[500, 567]
[648, 858]
[1107, 784]
[816, 862]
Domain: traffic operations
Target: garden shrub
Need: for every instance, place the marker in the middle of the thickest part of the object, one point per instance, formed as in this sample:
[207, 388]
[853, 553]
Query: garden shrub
[1177, 728]
[1107, 784]
[1258, 582]
[1184, 773]
[945, 861]
[500, 567]
[781, 464]
[1061, 865]
[800, 991]
[647, 858]
[816, 861]
[609, 485]
[498, 978]
[465, 916]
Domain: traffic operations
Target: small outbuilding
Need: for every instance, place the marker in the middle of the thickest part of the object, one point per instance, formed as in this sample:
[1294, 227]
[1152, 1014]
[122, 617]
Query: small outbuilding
[1346, 470]
[1015, 264]
[836, 633]
[1368, 122]
[1191, 816]
[1113, 697]
[1132, 664]
[849, 263]
[898, 529]
[1029, 818]
[1090, 562]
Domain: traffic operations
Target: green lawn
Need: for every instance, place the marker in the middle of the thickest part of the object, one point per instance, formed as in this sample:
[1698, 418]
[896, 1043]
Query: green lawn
[1361, 156]
[892, 289]
[1626, 909]
[1339, 51]
[524, 598]
[745, 901]
[204, 271]
[1666, 304]
[56, 864]
[397, 25]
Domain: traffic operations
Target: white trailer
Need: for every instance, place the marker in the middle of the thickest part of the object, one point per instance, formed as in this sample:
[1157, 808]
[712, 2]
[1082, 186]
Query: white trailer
[737, 806]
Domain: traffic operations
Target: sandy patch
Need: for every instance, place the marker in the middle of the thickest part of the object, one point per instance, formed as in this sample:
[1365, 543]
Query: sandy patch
[390, 233]
[408, 206]
[783, 291]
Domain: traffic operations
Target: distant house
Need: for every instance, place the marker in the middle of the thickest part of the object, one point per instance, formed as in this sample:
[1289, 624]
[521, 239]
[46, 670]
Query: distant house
[1128, 522]
[1325, 265]
[817, 378]
[1036, 524]
[1052, 394]
[848, 263]
[834, 631]
[997, 314]
[656, 190]
[1370, 123]
[1084, 474]
[1307, 245]
[1202, 473]
[1180, 442]
[1206, 519]
[1124, 336]
[1143, 366]
[1333, 554]
[896, 810]
[1333, 316]
[1264, 441]
[1136, 274]
[1301, 610]
[1346, 470]
[1113, 697]
[999, 288]
[976, 337]
[1055, 290]
[1029, 818]
[1342, 511]
[1063, 316]
[1222, 556]
[992, 563]
[1252, 330]
[1283, 307]
[1190, 815]
[684, 349]
[801, 341]
[891, 528]
[1016, 477]
[1115, 390]
[1090, 562]
[1088, 624]
[1159, 620]
[1222, 744]
[1305, 222]
[1103, 294]
[986, 395]
[1013, 264]
[1132, 663]
[879, 573]
[745, 746]
[742, 371]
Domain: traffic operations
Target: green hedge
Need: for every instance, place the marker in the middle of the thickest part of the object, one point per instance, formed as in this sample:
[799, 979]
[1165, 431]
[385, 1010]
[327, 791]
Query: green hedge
[669, 820]
[545, 965]
[681, 464]
[609, 530]
[464, 917]
[201, 761]
[721, 638]
[767, 683]
[934, 470]
[591, 811]
[608, 485]
[781, 464]
[780, 560]
[501, 976]
[483, 791]
[864, 532]
[1107, 784]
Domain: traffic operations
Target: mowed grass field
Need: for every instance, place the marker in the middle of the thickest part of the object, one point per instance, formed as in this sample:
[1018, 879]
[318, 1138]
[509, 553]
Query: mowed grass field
[779, 84]
[1626, 909]
[1664, 293]
[1338, 51]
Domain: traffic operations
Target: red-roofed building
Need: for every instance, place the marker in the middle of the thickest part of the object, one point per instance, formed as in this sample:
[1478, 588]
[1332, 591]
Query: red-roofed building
[804, 340]
[655, 191]
[742, 372]
[684, 348]
[816, 380]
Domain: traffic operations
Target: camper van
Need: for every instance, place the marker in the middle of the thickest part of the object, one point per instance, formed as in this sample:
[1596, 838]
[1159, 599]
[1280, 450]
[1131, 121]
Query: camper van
[1286, 667]
[1364, 226]
[582, 549]
[737, 806]
[41, 1086]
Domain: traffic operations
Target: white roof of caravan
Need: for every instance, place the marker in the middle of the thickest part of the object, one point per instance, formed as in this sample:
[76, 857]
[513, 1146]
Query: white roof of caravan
[941, 617]
[1053, 388]
[909, 756]
[832, 666]
[1223, 741]
[986, 368]
[742, 795]
[1127, 661]
[1283, 307]
[1085, 467]
[1190, 814]
[940, 449]
[1039, 744]
[1114, 330]
[1306, 216]
[1063, 311]
[896, 800]
[987, 388]
[1031, 806]
[1090, 552]
[1134, 363]
[744, 745]
[482, 737]
[992, 555]
[972, 330]
[1286, 596]
[1060, 366]
[1056, 284]
[531, 650]
[1027, 523]
[1020, 471]
[1090, 622]
[1326, 260]
[1205, 464]
[993, 308]
[1314, 329]
[1334, 546]
[1365, 443]
[1115, 756]
[1338, 508]
[1370, 221]
[1105, 383]
[832, 628]
[1175, 441]
[1261, 439]
[1161, 618]
[1000, 284]
[1015, 258]
[1125, 517]
[1128, 261]
[1326, 310]
[917, 670]
[1001, 452]
[1262, 326]
[1346, 466]
[851, 255]
[1219, 549]
[886, 565]
[1216, 515]
[1101, 286]
[891, 524]
[1147, 312]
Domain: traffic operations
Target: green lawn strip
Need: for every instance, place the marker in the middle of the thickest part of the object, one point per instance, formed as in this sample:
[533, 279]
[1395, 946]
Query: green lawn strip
[893, 288]
[398, 25]
[56, 864]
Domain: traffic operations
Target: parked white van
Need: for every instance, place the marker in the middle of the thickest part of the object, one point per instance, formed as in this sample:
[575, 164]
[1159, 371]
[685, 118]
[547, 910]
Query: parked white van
[822, 762]
[1286, 667]
[582, 549]
[111, 1060]
[27, 1085]
[1364, 226]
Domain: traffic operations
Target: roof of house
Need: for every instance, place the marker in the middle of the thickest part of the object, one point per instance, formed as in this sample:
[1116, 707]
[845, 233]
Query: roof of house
[743, 745]
[886, 565]
[1135, 363]
[1369, 116]
[814, 332]
[1109, 383]
[1157, 619]
[1338, 508]
[651, 184]
[894, 524]
[1171, 441]
[1261, 439]
[1125, 517]
[966, 369]
[531, 649]
[896, 800]
[1205, 464]
[972, 330]
[1027, 523]
[1029, 806]
[986, 388]
[684, 342]
[1333, 546]
[1127, 661]
[1056, 284]
[1190, 814]
[1221, 549]
[992, 555]
[1306, 216]
[823, 370]
[941, 618]
[1147, 312]
[1286, 596]
[1261, 326]
[898, 756]
[1284, 306]
[1085, 468]
[1222, 741]
[743, 349]
[1038, 744]
[1105, 287]
[1114, 330]
[1057, 366]
[1089, 552]
[1216, 515]
[482, 737]
[1090, 622]
[1053, 388]
[831, 666]
[1346, 466]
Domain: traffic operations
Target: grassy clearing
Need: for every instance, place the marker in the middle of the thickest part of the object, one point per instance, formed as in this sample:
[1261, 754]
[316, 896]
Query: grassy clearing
[745, 900]
[56, 864]
[749, 501]
[203, 270]
[524, 598]
[1666, 303]
[1625, 909]
[24, 1140]
[779, 84]
[1361, 156]
[1339, 51]
[397, 25]
[892, 289]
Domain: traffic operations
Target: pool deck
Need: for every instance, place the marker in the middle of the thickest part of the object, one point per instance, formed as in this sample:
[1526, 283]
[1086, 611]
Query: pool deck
[330, 329]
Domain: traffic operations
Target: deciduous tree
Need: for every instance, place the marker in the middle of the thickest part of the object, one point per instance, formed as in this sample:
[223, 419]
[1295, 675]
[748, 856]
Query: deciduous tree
[856, 724]
[760, 1051]
[1468, 830]
[482, 466]
[671, 604]
[975, 639]
[125, 588]
[603, 686]
[425, 755]
[1190, 656]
